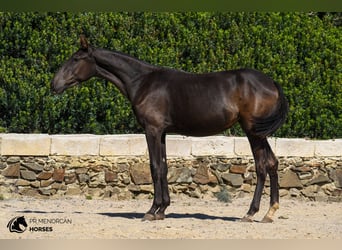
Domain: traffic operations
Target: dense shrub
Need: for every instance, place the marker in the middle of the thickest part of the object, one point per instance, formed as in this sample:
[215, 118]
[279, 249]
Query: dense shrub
[302, 51]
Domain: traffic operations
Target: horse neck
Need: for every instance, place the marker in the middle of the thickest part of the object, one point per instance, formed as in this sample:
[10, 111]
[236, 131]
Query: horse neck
[124, 71]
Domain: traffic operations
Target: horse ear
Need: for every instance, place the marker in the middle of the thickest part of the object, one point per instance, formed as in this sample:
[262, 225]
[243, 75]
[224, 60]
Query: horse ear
[84, 42]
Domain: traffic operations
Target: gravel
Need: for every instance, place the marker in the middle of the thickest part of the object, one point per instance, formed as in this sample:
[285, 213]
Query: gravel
[186, 218]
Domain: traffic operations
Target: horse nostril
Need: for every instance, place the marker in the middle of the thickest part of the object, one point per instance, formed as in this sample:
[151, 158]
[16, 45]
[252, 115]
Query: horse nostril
[52, 88]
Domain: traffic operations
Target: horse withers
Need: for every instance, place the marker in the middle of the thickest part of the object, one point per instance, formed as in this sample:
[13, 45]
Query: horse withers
[165, 101]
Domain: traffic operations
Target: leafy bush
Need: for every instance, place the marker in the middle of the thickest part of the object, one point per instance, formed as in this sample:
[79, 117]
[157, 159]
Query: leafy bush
[301, 51]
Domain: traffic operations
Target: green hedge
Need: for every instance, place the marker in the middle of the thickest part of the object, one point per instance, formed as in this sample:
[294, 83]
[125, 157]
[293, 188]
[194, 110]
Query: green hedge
[301, 51]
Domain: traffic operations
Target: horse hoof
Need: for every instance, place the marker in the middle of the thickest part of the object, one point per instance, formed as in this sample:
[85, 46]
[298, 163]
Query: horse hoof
[149, 217]
[266, 219]
[159, 216]
[246, 219]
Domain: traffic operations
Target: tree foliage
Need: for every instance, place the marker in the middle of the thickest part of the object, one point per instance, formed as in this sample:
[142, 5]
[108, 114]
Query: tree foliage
[301, 51]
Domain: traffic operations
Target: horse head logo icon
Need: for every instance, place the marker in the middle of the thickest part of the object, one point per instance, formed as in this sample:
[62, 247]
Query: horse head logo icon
[17, 224]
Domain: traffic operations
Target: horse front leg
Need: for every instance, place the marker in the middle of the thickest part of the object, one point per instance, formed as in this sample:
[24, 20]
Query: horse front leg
[164, 183]
[158, 172]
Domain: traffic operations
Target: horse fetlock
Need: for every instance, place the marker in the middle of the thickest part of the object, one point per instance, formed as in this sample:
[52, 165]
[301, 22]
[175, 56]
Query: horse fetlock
[273, 209]
[270, 213]
[247, 218]
[152, 217]
[159, 216]
[149, 217]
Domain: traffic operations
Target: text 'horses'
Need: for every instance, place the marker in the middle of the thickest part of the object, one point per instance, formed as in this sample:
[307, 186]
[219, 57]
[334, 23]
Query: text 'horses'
[171, 101]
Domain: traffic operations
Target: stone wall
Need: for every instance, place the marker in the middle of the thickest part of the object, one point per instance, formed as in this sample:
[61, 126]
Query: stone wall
[117, 166]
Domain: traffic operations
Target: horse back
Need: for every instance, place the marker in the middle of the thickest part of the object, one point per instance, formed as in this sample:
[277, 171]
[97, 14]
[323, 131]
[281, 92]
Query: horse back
[202, 104]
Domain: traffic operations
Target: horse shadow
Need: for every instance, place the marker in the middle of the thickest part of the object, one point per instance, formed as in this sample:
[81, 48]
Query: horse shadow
[39, 212]
[198, 216]
[133, 215]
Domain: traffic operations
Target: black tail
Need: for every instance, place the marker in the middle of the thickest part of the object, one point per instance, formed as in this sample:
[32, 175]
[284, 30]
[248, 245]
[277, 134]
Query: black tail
[266, 126]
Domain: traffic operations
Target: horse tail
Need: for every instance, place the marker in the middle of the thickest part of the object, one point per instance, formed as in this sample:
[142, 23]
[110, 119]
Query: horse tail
[263, 127]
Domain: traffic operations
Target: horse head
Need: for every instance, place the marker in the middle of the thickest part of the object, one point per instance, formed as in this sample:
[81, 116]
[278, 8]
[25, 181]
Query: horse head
[78, 68]
[14, 224]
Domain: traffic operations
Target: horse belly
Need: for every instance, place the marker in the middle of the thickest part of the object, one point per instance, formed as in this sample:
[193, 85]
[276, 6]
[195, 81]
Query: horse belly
[201, 122]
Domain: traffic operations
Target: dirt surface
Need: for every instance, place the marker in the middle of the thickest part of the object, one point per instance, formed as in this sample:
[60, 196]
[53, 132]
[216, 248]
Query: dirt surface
[187, 218]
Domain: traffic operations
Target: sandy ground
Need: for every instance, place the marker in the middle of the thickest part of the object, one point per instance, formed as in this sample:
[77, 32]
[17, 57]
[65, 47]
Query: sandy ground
[187, 218]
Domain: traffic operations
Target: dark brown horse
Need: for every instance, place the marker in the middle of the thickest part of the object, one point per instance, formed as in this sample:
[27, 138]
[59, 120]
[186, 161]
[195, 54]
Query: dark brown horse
[171, 101]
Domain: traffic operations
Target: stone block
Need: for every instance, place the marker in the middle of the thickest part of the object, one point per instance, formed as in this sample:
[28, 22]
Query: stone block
[44, 175]
[35, 184]
[146, 188]
[133, 188]
[216, 145]
[243, 148]
[319, 179]
[28, 175]
[13, 159]
[179, 146]
[121, 145]
[81, 170]
[29, 192]
[21, 182]
[83, 178]
[33, 166]
[246, 188]
[75, 145]
[204, 176]
[73, 191]
[47, 191]
[310, 191]
[141, 174]
[295, 147]
[337, 177]
[290, 180]
[98, 180]
[179, 175]
[58, 174]
[70, 178]
[238, 169]
[46, 183]
[294, 192]
[110, 176]
[234, 180]
[328, 148]
[12, 171]
[25, 144]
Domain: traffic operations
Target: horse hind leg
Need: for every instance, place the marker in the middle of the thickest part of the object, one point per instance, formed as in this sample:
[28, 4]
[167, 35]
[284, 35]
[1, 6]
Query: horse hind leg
[261, 177]
[266, 163]
[272, 170]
